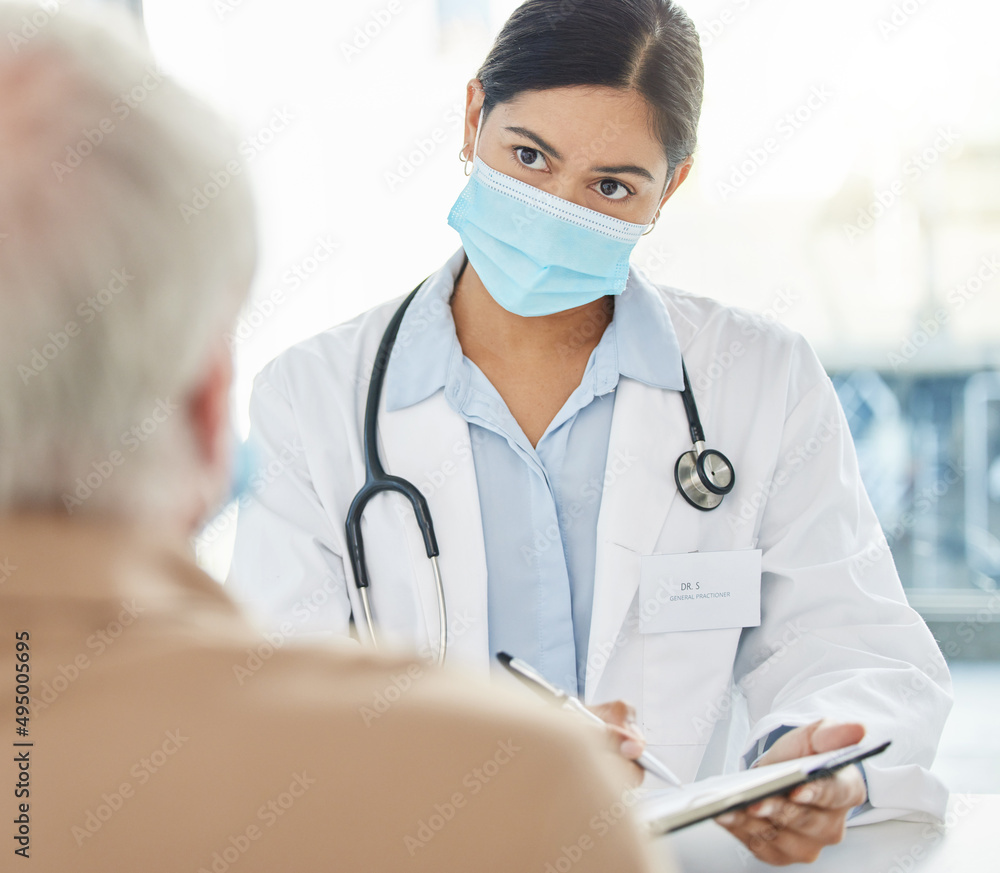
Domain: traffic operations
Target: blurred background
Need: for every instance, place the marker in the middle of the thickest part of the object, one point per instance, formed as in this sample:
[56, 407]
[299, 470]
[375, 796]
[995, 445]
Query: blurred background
[847, 183]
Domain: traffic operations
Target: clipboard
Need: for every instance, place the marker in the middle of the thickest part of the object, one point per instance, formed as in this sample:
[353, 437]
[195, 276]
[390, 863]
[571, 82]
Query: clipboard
[667, 810]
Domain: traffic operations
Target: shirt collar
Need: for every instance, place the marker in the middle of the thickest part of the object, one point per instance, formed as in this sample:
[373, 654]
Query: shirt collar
[647, 345]
[426, 341]
[644, 341]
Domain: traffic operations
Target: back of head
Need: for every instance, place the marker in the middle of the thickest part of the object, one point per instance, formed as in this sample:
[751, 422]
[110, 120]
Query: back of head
[126, 246]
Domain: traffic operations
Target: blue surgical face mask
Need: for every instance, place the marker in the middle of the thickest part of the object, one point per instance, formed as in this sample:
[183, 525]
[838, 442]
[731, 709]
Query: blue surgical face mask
[536, 253]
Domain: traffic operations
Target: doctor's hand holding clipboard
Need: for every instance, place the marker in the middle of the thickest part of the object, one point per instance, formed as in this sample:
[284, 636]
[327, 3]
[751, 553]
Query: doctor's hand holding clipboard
[784, 830]
[777, 829]
[787, 829]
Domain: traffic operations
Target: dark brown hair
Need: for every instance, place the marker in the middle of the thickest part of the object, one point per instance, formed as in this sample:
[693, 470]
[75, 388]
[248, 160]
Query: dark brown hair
[649, 46]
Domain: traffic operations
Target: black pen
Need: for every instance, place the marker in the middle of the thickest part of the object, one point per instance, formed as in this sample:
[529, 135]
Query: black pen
[533, 679]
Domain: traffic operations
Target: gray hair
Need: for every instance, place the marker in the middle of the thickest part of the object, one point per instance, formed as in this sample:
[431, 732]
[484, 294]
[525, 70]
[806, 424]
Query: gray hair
[127, 244]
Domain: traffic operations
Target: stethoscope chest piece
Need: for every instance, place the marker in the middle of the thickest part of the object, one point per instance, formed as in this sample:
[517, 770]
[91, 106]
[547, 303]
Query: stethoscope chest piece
[704, 477]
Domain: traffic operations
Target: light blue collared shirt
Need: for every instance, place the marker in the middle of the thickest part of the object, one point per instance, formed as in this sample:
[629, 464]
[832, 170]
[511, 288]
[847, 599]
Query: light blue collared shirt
[539, 504]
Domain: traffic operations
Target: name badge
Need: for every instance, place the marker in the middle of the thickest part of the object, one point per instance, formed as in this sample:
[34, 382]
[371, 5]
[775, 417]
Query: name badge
[699, 591]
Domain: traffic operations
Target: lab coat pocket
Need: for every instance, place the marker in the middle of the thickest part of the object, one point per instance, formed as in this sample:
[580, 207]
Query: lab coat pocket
[692, 611]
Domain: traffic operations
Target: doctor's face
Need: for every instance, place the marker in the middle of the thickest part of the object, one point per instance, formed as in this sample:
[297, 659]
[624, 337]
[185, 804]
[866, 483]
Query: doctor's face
[593, 146]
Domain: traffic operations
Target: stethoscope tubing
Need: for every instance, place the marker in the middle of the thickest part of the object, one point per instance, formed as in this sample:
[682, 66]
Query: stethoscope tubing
[377, 481]
[693, 480]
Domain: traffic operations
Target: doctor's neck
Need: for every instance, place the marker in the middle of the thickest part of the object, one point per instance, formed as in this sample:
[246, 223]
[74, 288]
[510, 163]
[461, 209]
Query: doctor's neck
[488, 331]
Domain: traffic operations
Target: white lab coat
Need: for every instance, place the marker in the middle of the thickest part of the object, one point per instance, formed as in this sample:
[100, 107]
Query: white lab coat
[836, 637]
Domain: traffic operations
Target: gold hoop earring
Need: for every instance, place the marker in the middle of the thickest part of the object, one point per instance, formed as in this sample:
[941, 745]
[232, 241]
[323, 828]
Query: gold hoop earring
[465, 160]
[655, 219]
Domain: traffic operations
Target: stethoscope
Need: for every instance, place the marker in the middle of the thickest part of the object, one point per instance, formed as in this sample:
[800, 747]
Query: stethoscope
[703, 476]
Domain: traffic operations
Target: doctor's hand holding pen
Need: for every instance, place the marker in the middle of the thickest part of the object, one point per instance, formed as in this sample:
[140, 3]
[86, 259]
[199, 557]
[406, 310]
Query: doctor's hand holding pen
[788, 830]
[616, 717]
[619, 718]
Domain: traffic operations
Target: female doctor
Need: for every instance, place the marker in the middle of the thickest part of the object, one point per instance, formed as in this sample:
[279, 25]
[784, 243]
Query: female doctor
[543, 400]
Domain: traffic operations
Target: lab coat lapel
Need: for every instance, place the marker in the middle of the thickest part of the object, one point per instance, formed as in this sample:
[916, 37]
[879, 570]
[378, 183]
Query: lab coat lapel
[428, 443]
[648, 433]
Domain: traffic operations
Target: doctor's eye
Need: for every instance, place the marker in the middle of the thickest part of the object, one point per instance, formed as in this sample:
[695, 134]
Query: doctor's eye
[531, 158]
[614, 190]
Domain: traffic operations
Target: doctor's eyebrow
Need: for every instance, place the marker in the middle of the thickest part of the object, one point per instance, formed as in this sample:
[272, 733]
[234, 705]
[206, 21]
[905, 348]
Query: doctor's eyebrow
[626, 168]
[541, 143]
[633, 169]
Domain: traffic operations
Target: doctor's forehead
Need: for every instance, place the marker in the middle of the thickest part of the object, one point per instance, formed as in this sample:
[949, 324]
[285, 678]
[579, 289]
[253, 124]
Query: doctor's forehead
[585, 124]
